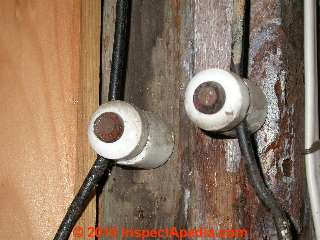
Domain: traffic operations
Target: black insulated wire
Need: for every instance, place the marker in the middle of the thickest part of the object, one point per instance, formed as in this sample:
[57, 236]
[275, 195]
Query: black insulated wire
[239, 65]
[102, 166]
[282, 223]
[82, 198]
[119, 54]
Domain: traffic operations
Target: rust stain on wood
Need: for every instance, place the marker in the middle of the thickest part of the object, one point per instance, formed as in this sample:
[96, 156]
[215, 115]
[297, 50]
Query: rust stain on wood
[270, 66]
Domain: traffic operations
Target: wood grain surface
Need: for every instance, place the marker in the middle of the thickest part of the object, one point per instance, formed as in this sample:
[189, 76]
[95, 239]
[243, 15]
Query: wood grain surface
[88, 97]
[204, 183]
[49, 79]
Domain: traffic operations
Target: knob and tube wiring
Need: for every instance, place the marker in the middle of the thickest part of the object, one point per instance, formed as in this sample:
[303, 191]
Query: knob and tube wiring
[117, 77]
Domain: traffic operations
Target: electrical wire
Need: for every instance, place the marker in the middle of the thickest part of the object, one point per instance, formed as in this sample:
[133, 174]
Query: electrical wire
[102, 166]
[119, 53]
[239, 64]
[312, 159]
[82, 198]
[265, 195]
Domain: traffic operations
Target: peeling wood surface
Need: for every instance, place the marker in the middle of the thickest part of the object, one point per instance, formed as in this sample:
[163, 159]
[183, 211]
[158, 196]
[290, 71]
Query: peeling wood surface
[204, 183]
[276, 57]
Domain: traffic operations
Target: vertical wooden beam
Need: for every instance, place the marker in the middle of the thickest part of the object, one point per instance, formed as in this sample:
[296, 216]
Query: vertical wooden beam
[213, 163]
[39, 82]
[49, 84]
[131, 196]
[276, 64]
[90, 19]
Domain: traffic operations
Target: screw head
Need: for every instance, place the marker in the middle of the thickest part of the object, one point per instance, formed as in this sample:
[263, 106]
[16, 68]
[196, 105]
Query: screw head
[209, 97]
[108, 127]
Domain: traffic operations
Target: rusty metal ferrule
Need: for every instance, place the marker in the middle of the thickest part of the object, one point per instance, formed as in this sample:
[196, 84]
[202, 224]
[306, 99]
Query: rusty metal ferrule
[108, 127]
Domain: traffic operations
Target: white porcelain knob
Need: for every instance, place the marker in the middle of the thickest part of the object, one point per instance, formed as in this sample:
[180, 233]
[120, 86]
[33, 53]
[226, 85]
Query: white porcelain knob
[130, 136]
[217, 100]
